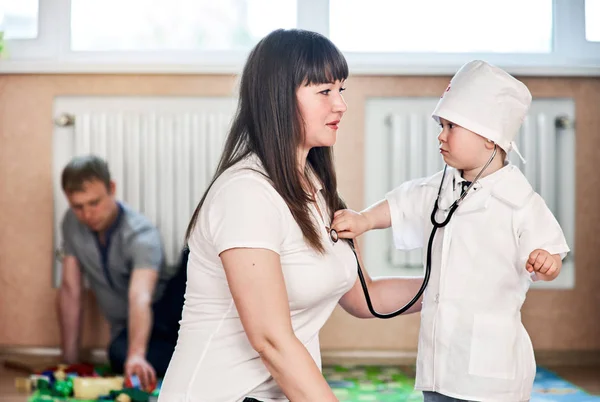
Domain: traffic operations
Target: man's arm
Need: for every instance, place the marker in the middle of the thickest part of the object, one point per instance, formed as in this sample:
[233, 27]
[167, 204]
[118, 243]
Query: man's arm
[69, 307]
[141, 288]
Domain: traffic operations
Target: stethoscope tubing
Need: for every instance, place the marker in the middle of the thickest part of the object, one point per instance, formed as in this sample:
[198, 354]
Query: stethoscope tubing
[436, 225]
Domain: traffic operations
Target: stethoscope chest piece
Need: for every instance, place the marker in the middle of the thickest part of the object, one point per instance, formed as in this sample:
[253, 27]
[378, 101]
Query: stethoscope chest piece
[333, 235]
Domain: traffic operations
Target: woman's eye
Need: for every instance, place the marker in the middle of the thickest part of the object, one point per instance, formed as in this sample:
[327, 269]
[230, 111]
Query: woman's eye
[342, 89]
[325, 92]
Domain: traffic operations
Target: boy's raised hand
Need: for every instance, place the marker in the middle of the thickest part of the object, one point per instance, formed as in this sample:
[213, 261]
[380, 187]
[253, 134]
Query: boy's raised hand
[349, 224]
[545, 265]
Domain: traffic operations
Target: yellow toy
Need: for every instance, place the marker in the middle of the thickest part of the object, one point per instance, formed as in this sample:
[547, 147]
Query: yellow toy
[93, 387]
[123, 398]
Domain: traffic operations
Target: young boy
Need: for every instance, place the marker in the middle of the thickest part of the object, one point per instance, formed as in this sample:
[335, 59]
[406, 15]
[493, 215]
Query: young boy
[472, 344]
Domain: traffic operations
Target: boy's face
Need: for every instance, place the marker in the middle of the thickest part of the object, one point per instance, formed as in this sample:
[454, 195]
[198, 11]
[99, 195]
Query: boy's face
[461, 148]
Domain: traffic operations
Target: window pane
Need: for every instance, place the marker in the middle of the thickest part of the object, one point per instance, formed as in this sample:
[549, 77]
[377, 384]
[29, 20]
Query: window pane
[19, 19]
[457, 26]
[98, 25]
[592, 20]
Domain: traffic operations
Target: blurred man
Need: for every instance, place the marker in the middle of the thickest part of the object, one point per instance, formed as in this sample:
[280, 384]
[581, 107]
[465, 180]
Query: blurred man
[120, 253]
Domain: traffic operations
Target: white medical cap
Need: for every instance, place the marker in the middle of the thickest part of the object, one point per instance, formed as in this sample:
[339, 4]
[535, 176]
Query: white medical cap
[486, 100]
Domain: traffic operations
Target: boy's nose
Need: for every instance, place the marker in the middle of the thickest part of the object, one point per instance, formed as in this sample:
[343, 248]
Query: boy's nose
[442, 137]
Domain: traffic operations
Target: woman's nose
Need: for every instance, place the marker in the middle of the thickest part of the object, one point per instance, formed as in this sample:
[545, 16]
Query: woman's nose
[339, 104]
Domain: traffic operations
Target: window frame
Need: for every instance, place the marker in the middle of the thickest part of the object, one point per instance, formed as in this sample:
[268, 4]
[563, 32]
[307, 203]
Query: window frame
[50, 52]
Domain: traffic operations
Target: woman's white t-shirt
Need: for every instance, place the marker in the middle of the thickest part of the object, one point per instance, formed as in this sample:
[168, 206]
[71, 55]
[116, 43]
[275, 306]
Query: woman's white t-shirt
[213, 360]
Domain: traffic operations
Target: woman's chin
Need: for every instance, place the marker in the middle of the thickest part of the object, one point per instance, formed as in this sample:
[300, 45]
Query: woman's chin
[330, 140]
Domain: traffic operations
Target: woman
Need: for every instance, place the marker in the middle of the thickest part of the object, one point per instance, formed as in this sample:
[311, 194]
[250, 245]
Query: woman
[263, 272]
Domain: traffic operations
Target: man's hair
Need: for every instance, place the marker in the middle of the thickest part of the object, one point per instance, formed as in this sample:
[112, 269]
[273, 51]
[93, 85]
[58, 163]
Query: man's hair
[82, 169]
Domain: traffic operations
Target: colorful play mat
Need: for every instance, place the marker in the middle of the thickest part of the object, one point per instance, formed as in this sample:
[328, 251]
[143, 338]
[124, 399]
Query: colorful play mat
[387, 384]
[351, 384]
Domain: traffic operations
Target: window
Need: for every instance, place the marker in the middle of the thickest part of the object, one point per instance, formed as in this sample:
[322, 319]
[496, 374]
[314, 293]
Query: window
[442, 26]
[175, 25]
[533, 37]
[19, 19]
[592, 20]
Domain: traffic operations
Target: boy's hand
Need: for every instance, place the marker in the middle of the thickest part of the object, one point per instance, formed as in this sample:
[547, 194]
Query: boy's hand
[349, 224]
[545, 265]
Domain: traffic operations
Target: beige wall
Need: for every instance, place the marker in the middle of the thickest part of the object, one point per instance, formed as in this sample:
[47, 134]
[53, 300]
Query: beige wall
[556, 319]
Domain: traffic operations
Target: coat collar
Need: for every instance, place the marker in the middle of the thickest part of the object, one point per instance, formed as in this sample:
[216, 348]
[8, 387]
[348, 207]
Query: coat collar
[508, 185]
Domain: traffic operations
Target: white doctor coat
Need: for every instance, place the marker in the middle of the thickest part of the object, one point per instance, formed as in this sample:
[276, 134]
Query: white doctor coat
[472, 344]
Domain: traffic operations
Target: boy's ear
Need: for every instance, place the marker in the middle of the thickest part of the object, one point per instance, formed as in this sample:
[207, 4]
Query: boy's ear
[489, 144]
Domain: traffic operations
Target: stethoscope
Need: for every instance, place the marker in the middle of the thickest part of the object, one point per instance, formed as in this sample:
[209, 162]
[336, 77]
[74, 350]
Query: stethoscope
[436, 225]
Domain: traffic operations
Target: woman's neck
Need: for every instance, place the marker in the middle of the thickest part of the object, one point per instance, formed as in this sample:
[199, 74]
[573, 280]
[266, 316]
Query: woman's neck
[306, 184]
[302, 157]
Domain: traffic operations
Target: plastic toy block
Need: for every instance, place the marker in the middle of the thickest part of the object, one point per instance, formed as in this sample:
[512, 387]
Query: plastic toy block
[135, 395]
[23, 384]
[93, 387]
[123, 398]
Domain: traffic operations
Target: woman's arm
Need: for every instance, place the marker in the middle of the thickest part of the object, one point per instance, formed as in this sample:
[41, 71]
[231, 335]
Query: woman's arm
[387, 294]
[258, 288]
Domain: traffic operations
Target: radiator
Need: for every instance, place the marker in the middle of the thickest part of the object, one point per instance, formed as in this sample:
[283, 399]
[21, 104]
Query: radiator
[162, 153]
[401, 144]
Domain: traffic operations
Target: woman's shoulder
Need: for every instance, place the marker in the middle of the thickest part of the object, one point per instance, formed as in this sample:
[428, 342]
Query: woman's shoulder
[245, 179]
[246, 172]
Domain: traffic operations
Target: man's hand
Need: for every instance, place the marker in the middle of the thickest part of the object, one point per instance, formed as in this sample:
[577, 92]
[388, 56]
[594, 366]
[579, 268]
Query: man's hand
[139, 366]
[141, 287]
[349, 224]
[545, 265]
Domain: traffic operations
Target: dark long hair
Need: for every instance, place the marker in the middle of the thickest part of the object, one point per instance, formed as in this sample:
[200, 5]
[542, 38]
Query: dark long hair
[268, 122]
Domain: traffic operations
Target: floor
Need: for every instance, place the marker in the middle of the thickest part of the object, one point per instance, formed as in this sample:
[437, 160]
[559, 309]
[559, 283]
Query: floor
[8, 393]
[587, 378]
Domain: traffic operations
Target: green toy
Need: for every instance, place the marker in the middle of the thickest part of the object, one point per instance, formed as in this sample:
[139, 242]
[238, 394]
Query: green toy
[63, 388]
[103, 370]
[43, 384]
[136, 395]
